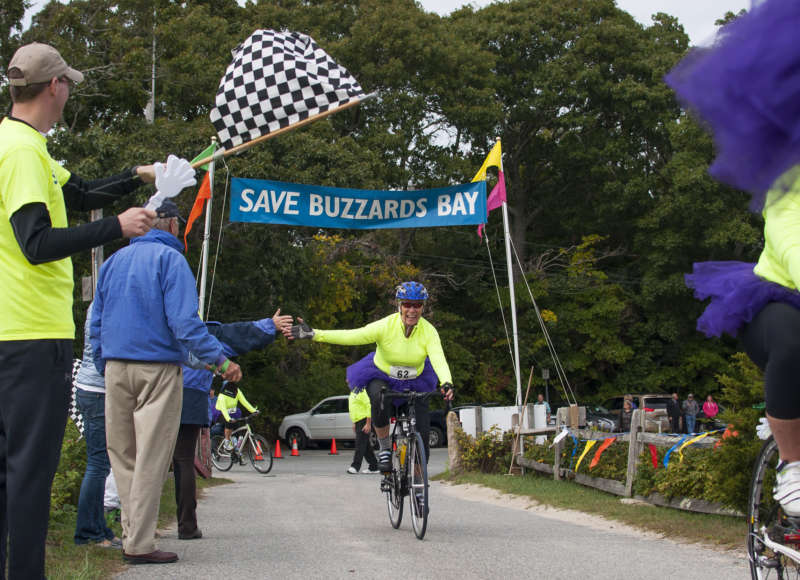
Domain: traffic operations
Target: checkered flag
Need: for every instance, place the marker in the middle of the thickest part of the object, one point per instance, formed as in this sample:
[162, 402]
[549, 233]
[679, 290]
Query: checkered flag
[74, 413]
[277, 79]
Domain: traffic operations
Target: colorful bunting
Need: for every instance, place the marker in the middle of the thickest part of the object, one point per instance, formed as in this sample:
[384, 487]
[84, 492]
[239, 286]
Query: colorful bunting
[606, 444]
[589, 445]
[653, 455]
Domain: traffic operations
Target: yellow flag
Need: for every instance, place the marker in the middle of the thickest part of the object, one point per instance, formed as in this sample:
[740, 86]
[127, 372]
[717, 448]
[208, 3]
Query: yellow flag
[589, 445]
[492, 160]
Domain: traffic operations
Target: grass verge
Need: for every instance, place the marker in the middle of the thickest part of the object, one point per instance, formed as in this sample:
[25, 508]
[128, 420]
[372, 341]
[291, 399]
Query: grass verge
[722, 531]
[66, 561]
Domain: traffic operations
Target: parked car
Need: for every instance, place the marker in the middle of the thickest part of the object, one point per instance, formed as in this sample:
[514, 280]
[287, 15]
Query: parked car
[330, 418]
[601, 419]
[327, 419]
[605, 416]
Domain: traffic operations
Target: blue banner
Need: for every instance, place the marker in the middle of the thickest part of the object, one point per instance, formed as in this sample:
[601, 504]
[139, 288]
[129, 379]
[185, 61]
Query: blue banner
[276, 202]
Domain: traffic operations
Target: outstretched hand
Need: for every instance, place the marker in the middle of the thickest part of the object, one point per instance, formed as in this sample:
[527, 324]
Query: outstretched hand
[301, 330]
[282, 322]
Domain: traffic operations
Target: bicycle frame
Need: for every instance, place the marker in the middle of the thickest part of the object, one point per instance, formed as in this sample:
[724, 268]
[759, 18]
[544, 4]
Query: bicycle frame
[409, 475]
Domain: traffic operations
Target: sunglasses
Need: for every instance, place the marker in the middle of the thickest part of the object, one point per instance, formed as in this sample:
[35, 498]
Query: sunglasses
[411, 304]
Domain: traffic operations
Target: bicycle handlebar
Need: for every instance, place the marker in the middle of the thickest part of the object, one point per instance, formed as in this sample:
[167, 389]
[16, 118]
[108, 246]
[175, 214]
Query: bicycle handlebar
[245, 419]
[409, 395]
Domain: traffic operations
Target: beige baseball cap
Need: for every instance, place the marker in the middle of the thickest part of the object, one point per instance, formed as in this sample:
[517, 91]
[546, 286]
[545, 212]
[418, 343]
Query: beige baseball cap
[39, 63]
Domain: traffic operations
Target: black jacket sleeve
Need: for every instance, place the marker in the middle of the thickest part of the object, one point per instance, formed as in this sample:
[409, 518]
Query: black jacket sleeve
[40, 242]
[83, 195]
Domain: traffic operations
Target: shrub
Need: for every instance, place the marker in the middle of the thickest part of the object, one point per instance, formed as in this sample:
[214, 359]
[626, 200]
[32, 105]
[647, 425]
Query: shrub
[489, 452]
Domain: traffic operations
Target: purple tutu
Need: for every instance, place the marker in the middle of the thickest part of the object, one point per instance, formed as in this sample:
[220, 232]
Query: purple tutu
[361, 373]
[747, 89]
[736, 293]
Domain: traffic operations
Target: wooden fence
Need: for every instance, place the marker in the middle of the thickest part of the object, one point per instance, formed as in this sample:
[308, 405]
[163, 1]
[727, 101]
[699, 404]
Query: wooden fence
[637, 438]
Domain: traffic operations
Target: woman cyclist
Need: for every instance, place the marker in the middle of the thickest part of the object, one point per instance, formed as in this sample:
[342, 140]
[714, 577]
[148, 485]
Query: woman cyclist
[747, 89]
[408, 356]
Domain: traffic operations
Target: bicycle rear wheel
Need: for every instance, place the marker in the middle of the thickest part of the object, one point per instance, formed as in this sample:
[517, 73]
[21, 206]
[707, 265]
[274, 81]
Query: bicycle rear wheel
[418, 490]
[768, 533]
[221, 458]
[260, 454]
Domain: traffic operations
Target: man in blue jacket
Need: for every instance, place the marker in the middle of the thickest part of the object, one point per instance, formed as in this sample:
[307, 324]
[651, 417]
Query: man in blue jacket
[144, 323]
[237, 338]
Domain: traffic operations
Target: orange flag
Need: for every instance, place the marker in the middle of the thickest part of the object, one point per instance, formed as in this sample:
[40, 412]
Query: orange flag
[197, 209]
[606, 444]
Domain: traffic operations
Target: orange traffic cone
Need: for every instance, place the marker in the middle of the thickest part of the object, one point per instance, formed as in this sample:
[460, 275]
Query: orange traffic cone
[259, 452]
[295, 452]
[277, 450]
[333, 448]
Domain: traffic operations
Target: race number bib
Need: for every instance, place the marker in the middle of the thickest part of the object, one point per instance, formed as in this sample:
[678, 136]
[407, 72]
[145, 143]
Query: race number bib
[403, 373]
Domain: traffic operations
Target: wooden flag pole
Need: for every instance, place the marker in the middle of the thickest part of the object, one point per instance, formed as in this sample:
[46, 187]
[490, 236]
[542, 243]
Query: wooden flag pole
[239, 148]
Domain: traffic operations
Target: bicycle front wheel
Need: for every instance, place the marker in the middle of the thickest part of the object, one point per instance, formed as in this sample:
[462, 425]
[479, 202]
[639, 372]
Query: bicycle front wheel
[418, 490]
[260, 453]
[221, 458]
[768, 534]
[392, 487]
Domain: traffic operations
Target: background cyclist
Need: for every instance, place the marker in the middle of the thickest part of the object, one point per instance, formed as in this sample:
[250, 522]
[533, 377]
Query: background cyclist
[408, 356]
[230, 395]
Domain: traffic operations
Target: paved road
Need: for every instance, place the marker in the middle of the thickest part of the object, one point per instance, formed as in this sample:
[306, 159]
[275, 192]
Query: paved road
[310, 519]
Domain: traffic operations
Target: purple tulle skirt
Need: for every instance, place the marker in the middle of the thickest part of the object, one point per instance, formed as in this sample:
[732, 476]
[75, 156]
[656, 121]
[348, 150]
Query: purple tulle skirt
[747, 89]
[361, 373]
[736, 293]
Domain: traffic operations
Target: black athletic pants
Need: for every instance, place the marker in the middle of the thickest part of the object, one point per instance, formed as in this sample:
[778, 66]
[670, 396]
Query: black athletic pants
[772, 341]
[185, 478]
[35, 386]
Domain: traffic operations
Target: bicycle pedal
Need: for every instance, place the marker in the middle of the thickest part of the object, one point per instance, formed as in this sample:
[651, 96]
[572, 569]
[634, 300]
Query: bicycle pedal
[386, 485]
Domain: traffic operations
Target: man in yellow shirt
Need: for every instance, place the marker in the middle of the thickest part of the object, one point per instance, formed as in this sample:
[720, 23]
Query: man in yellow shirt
[361, 415]
[36, 327]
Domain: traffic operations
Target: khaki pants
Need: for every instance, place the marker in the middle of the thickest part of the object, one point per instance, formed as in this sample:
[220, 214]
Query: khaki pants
[143, 412]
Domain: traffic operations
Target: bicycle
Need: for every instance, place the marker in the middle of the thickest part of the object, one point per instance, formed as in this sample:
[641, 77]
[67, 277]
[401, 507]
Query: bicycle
[409, 475]
[772, 541]
[248, 446]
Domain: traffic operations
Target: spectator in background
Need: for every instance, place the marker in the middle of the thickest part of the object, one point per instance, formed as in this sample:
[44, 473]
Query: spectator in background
[37, 326]
[710, 407]
[361, 415]
[674, 411]
[625, 416]
[144, 322]
[90, 395]
[540, 401]
[690, 411]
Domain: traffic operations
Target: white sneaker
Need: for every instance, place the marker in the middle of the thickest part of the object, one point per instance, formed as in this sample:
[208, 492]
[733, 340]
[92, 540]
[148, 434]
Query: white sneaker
[227, 445]
[370, 471]
[787, 488]
[352, 470]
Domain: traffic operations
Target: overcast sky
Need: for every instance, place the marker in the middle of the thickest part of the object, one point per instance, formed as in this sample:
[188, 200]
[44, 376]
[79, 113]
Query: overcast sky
[697, 16]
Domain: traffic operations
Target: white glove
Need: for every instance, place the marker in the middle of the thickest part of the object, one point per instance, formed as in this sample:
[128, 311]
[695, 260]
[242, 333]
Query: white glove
[762, 429]
[170, 180]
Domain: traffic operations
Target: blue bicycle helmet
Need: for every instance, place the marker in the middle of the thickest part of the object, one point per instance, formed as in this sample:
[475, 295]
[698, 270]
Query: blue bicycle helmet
[411, 291]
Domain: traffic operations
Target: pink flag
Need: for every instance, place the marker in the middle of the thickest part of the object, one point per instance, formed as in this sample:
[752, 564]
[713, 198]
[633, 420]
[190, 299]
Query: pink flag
[496, 198]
